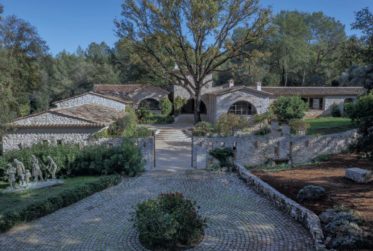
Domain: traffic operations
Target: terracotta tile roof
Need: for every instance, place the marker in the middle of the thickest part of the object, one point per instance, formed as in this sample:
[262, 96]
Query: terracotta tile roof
[96, 94]
[314, 91]
[97, 114]
[87, 116]
[126, 89]
[299, 91]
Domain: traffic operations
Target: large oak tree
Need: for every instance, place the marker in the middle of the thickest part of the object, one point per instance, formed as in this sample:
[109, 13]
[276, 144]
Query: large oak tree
[196, 35]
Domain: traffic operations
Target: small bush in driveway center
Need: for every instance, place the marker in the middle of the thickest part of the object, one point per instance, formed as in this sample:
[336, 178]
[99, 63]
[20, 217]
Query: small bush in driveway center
[169, 222]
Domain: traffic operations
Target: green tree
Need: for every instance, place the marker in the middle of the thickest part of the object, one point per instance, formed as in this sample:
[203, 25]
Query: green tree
[288, 108]
[195, 35]
[364, 23]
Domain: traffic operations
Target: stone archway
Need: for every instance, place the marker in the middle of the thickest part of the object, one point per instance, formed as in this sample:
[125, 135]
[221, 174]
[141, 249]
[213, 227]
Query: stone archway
[242, 108]
[150, 104]
[189, 107]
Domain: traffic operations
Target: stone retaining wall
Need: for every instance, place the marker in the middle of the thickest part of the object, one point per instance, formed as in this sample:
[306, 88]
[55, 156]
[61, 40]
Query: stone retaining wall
[306, 217]
[277, 146]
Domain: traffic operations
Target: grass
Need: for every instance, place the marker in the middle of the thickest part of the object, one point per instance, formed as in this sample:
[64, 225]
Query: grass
[327, 125]
[19, 200]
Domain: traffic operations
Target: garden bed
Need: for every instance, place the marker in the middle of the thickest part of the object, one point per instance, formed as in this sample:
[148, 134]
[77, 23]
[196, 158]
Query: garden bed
[28, 205]
[330, 175]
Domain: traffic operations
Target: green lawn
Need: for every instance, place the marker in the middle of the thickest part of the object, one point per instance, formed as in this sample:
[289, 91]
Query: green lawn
[15, 201]
[327, 125]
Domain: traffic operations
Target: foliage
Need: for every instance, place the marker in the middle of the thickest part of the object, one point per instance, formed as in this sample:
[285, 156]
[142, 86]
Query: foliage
[168, 222]
[143, 113]
[335, 110]
[63, 155]
[157, 119]
[362, 114]
[142, 132]
[288, 108]
[29, 205]
[124, 126]
[98, 160]
[179, 102]
[202, 129]
[224, 155]
[298, 125]
[229, 123]
[168, 41]
[263, 131]
[166, 106]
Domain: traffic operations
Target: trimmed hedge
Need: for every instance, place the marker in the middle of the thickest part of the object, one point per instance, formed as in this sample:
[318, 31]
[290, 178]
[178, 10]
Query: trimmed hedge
[55, 202]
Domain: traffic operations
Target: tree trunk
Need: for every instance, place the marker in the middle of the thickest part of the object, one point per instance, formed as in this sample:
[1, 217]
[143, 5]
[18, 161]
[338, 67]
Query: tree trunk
[197, 112]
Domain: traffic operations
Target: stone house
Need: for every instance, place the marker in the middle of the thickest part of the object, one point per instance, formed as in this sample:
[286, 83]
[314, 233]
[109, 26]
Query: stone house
[75, 119]
[74, 124]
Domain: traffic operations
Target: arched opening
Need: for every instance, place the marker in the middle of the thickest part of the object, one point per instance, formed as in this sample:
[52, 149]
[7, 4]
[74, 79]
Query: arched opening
[242, 108]
[150, 104]
[189, 107]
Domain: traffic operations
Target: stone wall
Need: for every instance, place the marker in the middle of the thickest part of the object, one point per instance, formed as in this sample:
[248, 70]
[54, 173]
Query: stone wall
[278, 146]
[90, 98]
[306, 217]
[26, 137]
[338, 100]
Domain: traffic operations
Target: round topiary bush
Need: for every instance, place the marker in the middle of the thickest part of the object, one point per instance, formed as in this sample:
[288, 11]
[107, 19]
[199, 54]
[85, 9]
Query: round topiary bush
[169, 222]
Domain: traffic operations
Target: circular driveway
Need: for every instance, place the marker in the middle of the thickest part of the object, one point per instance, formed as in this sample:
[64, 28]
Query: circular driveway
[237, 217]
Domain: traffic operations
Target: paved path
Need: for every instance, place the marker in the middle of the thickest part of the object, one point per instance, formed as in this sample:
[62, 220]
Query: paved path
[238, 218]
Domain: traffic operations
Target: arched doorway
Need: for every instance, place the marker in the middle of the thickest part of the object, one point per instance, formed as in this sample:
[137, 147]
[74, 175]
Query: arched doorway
[150, 104]
[243, 108]
[189, 107]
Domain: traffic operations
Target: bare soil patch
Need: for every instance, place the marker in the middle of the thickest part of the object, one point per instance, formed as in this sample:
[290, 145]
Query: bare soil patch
[330, 175]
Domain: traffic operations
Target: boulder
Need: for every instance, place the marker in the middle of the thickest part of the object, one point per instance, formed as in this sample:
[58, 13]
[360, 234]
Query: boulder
[311, 192]
[358, 175]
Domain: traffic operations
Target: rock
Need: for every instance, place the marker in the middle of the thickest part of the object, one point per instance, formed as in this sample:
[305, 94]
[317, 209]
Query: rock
[358, 175]
[311, 192]
[327, 216]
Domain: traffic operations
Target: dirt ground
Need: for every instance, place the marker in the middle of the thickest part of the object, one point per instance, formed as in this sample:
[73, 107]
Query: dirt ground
[330, 175]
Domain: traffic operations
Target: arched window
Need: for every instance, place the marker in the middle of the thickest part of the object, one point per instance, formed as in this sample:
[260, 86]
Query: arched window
[242, 108]
[150, 104]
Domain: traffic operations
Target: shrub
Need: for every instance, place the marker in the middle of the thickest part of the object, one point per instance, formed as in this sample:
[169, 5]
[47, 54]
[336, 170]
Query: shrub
[63, 155]
[179, 102]
[202, 129]
[288, 108]
[143, 132]
[125, 126]
[224, 155]
[98, 160]
[362, 114]
[335, 111]
[311, 192]
[229, 123]
[166, 106]
[263, 131]
[157, 119]
[50, 204]
[298, 126]
[168, 222]
[143, 113]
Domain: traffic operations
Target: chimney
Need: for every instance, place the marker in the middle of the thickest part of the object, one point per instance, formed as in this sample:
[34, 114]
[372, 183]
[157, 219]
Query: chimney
[259, 86]
[231, 83]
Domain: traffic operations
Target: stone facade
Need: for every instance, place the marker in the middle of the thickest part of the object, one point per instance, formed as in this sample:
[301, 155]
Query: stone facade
[277, 146]
[91, 98]
[26, 137]
[338, 100]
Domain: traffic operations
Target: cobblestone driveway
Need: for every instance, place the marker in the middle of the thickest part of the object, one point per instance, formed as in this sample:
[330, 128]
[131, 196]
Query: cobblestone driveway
[238, 218]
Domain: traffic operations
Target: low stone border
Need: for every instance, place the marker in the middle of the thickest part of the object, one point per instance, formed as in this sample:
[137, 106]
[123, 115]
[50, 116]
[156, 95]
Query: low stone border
[306, 217]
